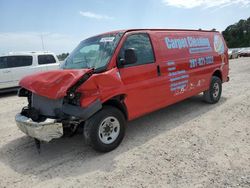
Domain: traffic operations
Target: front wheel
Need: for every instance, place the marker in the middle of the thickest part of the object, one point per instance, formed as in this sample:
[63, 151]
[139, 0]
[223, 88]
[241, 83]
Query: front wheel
[105, 130]
[213, 94]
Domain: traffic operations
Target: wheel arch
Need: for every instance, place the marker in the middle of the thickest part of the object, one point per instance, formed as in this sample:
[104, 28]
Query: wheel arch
[118, 102]
[218, 74]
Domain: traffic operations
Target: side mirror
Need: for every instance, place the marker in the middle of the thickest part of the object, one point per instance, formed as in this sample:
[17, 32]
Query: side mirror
[130, 56]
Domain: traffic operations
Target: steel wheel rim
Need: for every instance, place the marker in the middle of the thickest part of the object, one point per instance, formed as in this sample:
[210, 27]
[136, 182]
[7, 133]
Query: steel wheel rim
[109, 130]
[216, 90]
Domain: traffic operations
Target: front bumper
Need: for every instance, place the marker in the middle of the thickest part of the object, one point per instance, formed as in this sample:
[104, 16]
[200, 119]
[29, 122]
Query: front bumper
[43, 131]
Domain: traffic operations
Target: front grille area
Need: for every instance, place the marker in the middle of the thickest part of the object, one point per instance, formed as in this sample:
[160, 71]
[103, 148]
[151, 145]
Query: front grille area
[45, 106]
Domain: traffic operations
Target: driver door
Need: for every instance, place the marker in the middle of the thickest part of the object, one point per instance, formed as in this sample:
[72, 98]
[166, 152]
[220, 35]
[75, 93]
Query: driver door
[144, 92]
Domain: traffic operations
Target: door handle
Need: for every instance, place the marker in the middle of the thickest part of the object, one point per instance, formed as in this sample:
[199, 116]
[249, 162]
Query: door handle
[7, 71]
[158, 70]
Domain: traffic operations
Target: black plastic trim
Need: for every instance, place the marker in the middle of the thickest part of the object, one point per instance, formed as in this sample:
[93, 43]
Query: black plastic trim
[158, 70]
[82, 113]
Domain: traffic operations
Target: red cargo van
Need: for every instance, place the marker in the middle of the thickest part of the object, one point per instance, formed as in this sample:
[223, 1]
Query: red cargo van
[119, 76]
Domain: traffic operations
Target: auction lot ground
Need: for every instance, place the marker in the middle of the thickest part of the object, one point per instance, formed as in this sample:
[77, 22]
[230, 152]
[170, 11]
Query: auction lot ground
[189, 144]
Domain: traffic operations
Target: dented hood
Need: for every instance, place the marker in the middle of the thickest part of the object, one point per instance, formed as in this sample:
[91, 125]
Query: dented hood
[52, 84]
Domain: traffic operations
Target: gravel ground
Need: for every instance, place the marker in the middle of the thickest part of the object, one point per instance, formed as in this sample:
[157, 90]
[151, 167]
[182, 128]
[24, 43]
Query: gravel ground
[189, 144]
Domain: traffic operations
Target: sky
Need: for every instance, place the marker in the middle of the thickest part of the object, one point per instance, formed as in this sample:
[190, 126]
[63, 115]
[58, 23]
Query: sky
[59, 25]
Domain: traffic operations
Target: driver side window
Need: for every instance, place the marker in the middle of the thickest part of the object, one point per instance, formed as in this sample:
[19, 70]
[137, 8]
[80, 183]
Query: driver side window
[142, 47]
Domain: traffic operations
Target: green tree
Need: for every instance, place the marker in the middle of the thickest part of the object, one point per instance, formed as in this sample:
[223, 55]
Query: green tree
[238, 34]
[62, 56]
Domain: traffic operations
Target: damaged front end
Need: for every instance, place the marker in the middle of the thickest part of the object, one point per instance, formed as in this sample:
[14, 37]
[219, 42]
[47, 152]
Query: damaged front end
[49, 117]
[44, 131]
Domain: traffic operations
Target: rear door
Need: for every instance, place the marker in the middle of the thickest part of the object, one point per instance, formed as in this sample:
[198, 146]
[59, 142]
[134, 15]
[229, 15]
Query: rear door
[185, 56]
[6, 80]
[144, 92]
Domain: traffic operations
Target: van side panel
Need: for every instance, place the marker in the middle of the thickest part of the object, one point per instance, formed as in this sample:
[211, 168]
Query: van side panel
[188, 60]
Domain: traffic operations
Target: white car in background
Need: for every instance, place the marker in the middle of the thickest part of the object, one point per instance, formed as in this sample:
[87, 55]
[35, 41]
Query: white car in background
[233, 53]
[15, 66]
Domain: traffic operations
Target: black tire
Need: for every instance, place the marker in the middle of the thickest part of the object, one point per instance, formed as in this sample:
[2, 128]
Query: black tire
[212, 95]
[92, 125]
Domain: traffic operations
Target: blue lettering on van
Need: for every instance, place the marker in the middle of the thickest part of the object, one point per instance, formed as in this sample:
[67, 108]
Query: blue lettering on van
[171, 68]
[201, 61]
[200, 50]
[179, 78]
[179, 83]
[177, 73]
[198, 42]
[170, 63]
[176, 43]
[178, 87]
[195, 44]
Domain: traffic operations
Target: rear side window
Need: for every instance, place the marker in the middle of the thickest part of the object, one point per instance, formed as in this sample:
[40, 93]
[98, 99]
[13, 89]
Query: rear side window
[15, 61]
[142, 46]
[46, 59]
[3, 63]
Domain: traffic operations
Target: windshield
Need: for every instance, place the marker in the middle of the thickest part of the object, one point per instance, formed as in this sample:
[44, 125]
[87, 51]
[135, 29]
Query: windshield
[94, 52]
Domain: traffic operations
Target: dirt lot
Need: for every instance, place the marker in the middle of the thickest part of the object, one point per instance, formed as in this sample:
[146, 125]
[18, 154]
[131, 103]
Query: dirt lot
[189, 144]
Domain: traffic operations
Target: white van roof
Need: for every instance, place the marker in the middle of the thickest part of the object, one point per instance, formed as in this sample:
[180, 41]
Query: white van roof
[28, 53]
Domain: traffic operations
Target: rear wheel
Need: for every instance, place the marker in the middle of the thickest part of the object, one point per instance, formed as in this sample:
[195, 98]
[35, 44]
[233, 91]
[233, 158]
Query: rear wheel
[213, 94]
[105, 130]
